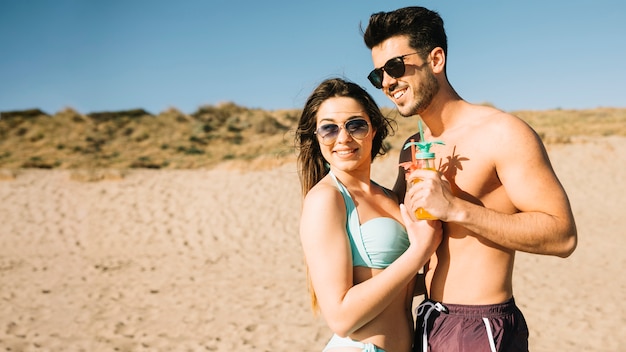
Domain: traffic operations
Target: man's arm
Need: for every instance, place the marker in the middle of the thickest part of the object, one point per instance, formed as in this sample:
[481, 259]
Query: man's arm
[543, 224]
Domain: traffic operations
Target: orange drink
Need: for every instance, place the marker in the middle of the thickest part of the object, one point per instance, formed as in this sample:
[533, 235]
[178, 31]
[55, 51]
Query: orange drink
[425, 160]
[420, 213]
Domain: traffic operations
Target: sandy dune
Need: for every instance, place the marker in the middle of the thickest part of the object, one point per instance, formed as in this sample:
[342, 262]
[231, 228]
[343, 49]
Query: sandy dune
[209, 260]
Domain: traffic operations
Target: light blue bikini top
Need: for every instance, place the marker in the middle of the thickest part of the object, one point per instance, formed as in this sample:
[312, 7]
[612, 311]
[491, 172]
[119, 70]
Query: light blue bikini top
[376, 243]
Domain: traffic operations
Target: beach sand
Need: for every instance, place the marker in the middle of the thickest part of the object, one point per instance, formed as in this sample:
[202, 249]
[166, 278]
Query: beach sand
[210, 260]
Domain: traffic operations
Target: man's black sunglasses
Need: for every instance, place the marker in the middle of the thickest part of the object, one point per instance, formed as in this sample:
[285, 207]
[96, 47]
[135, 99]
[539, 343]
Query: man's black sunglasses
[394, 68]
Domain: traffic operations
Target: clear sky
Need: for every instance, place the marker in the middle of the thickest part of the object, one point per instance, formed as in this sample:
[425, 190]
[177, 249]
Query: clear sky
[121, 54]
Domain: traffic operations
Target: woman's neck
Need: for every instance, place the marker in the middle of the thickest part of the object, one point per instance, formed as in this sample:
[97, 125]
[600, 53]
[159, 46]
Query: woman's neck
[353, 179]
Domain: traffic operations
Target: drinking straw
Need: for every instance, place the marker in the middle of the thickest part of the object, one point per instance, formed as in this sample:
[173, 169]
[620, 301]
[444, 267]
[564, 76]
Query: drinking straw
[413, 160]
[422, 141]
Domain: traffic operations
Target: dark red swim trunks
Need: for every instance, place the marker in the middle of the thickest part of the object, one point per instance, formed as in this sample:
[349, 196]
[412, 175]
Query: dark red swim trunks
[463, 328]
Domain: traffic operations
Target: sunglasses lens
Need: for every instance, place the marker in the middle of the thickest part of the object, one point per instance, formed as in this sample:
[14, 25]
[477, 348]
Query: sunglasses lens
[357, 128]
[395, 67]
[376, 78]
[328, 131]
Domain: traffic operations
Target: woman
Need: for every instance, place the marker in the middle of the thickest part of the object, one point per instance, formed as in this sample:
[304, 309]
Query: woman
[361, 262]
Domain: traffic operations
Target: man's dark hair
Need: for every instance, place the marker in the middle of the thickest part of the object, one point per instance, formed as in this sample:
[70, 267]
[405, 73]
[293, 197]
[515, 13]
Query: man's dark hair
[423, 27]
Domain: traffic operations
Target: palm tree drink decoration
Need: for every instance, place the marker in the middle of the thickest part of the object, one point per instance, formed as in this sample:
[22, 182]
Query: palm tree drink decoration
[423, 158]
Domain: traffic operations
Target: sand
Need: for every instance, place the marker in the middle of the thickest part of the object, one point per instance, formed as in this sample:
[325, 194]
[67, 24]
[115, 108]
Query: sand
[209, 260]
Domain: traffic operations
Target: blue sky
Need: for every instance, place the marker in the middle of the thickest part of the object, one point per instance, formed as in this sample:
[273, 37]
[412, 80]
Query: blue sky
[152, 54]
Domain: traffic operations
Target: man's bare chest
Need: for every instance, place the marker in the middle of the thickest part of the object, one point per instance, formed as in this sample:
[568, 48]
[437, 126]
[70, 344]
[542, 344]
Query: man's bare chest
[470, 171]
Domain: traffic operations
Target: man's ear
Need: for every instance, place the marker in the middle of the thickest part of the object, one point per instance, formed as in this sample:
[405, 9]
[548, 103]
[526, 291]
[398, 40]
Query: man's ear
[437, 60]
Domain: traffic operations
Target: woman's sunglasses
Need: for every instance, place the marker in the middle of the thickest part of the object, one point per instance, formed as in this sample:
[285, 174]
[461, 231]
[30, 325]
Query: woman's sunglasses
[357, 128]
[394, 68]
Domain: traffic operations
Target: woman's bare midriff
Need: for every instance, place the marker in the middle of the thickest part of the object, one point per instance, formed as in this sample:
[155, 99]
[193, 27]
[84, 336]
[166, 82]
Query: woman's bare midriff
[386, 330]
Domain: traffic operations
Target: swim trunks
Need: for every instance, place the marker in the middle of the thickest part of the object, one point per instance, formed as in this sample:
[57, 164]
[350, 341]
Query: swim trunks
[337, 342]
[465, 328]
[377, 242]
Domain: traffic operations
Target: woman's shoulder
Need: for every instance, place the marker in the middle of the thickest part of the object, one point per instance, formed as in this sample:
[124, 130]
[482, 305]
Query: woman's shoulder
[323, 195]
[323, 211]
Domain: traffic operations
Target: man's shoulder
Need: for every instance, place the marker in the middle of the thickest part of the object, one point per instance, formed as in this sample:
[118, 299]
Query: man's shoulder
[478, 111]
[492, 120]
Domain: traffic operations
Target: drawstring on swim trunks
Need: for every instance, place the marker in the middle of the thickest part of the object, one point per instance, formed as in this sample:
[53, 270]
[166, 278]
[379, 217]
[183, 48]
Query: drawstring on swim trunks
[429, 307]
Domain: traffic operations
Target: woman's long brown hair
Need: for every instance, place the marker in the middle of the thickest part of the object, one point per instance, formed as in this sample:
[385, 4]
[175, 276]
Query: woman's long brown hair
[311, 164]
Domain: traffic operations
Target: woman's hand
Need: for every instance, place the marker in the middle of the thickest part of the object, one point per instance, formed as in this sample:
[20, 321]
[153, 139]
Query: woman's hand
[426, 234]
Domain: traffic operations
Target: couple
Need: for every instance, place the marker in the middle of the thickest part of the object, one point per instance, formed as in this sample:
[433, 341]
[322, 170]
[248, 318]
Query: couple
[362, 244]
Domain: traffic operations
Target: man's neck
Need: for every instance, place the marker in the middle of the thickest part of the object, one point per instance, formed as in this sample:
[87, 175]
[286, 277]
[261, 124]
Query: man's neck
[442, 113]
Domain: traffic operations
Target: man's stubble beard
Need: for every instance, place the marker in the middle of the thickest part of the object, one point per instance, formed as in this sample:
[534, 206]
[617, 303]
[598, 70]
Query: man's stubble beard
[422, 97]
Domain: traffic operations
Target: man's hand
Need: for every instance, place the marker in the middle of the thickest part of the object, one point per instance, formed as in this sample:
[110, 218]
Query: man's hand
[432, 191]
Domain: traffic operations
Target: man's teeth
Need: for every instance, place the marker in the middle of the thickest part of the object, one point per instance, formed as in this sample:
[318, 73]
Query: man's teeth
[398, 94]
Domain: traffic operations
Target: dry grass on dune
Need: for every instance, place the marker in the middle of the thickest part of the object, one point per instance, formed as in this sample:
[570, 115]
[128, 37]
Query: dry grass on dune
[558, 126]
[138, 139]
[212, 135]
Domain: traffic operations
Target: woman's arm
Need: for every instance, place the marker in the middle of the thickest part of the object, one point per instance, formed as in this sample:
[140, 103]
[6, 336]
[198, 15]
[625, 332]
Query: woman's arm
[345, 306]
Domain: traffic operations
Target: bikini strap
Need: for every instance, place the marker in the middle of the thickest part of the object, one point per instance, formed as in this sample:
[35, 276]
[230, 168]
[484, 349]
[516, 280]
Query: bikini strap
[353, 225]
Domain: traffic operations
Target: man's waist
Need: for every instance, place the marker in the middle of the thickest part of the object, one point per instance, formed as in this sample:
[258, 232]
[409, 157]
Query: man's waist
[478, 310]
[470, 292]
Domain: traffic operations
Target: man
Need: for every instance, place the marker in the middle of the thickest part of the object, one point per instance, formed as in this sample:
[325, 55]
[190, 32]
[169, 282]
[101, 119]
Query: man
[495, 191]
